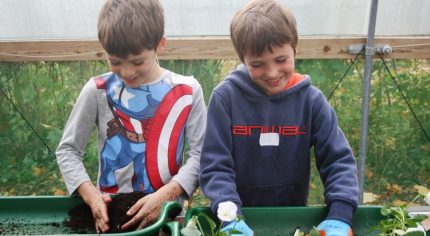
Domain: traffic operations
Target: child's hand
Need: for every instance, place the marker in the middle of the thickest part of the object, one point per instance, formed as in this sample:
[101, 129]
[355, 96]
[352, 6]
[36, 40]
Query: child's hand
[147, 209]
[100, 214]
[98, 203]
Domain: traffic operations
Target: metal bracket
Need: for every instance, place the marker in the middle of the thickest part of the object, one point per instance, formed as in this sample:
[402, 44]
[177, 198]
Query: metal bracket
[355, 49]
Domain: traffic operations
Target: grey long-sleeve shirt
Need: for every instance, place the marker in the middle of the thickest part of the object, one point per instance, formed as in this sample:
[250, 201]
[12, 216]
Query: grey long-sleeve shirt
[92, 109]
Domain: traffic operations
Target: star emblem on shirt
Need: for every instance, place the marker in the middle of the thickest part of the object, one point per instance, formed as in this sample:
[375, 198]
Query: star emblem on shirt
[116, 92]
[124, 97]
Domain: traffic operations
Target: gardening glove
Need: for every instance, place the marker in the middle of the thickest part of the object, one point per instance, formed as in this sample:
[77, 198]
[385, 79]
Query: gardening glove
[335, 228]
[240, 226]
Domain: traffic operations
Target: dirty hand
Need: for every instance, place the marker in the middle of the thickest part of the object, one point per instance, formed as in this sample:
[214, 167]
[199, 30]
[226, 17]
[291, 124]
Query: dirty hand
[240, 226]
[147, 209]
[98, 203]
[335, 228]
[100, 214]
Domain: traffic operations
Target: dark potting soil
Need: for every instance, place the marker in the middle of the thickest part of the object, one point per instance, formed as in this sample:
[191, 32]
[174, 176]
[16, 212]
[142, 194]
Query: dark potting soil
[81, 219]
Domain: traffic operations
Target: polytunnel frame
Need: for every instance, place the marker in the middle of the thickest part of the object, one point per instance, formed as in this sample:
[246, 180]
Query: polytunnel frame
[369, 52]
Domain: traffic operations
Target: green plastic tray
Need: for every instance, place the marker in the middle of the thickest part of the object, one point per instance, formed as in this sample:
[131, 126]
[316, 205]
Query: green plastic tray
[44, 215]
[284, 220]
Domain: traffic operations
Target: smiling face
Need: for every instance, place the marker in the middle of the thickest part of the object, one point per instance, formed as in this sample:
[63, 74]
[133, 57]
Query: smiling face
[135, 70]
[271, 70]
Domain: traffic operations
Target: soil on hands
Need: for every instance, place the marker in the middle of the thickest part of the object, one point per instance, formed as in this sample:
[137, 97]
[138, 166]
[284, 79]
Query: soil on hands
[81, 219]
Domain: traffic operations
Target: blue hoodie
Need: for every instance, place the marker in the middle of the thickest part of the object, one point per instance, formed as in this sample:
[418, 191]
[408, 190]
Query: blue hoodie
[256, 150]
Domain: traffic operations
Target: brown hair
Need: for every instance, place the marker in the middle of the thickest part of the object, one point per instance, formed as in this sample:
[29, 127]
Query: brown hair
[129, 26]
[260, 25]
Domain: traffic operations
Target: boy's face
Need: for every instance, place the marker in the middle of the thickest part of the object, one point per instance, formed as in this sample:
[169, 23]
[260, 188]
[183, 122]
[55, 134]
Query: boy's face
[135, 70]
[272, 70]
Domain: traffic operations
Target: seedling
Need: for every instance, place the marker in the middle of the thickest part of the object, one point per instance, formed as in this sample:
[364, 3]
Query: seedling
[398, 222]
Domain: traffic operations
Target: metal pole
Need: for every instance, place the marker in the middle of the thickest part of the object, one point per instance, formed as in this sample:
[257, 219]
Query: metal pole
[368, 60]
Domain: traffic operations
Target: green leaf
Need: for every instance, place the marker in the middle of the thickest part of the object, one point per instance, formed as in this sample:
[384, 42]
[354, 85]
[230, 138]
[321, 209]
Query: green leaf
[209, 220]
[419, 218]
[235, 231]
[314, 232]
[414, 233]
[385, 211]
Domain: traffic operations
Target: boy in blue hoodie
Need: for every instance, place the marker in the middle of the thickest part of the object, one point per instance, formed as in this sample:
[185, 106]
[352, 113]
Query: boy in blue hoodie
[263, 120]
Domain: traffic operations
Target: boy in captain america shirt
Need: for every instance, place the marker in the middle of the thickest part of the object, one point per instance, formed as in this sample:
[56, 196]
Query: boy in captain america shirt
[263, 120]
[143, 113]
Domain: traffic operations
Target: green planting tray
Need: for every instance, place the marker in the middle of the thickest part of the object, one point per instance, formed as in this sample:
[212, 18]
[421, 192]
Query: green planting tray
[44, 215]
[284, 220]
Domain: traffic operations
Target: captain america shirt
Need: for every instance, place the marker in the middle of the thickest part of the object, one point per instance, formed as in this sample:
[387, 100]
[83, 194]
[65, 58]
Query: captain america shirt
[141, 131]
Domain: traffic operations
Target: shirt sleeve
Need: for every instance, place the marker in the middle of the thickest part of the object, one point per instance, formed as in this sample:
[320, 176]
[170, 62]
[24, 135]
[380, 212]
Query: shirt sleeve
[217, 174]
[187, 175]
[335, 162]
[75, 137]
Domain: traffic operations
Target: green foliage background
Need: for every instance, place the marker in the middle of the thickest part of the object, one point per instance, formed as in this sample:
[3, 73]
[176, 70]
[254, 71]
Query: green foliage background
[397, 156]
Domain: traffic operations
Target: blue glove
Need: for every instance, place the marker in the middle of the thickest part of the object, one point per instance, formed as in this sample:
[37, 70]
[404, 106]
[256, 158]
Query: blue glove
[240, 226]
[335, 228]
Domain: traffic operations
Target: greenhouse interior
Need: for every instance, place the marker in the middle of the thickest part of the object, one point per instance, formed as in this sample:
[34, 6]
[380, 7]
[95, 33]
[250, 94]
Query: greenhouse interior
[370, 59]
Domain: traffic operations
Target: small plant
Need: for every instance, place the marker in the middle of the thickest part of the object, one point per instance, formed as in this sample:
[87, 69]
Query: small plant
[314, 232]
[399, 222]
[227, 211]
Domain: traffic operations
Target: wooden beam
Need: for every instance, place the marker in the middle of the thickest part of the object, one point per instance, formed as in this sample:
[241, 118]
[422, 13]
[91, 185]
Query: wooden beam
[206, 48]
